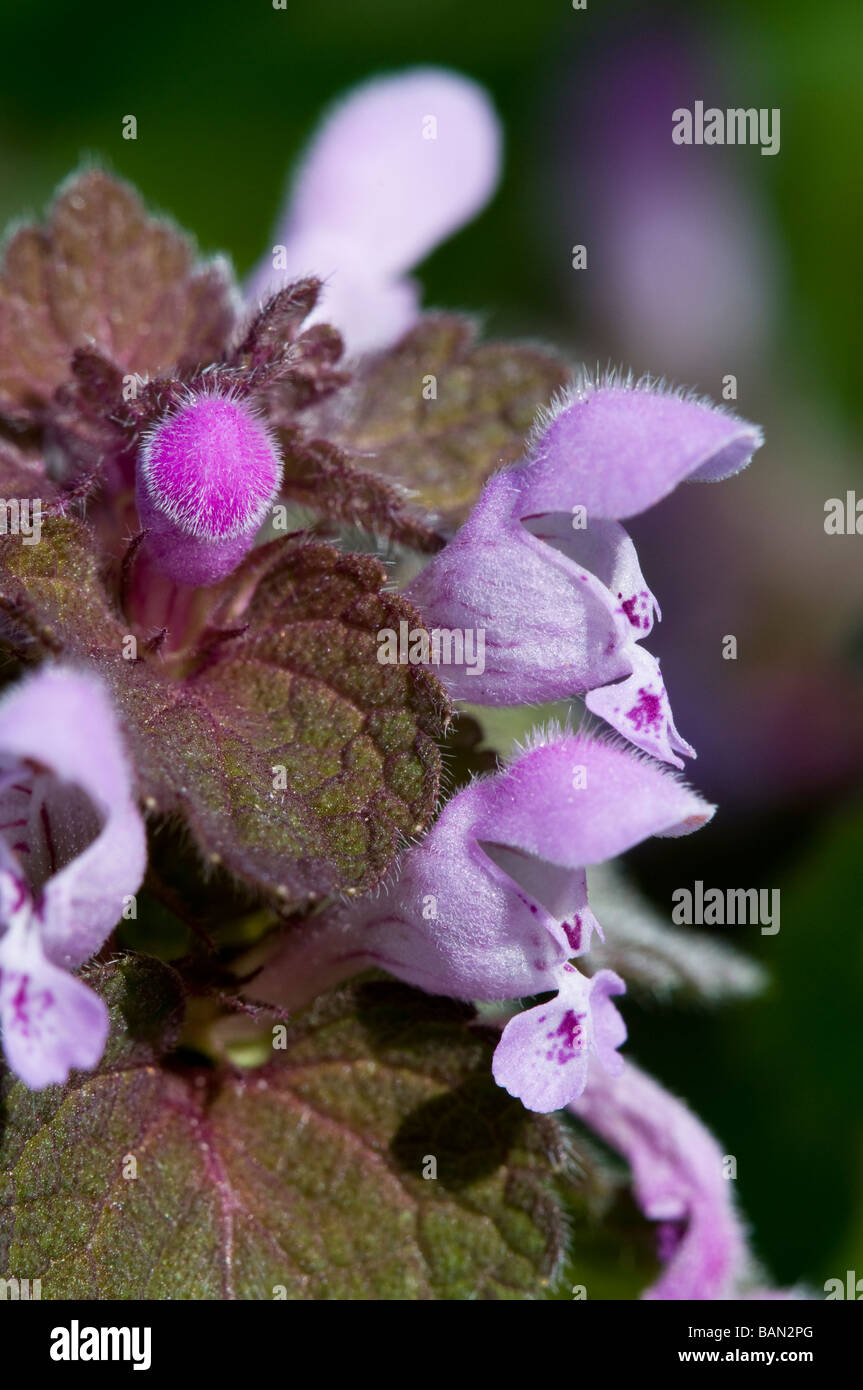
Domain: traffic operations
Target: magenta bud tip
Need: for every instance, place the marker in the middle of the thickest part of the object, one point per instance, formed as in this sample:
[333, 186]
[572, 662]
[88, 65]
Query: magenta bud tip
[206, 476]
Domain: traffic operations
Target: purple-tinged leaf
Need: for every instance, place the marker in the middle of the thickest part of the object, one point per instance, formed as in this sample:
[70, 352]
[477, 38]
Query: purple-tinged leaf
[103, 273]
[440, 412]
[296, 758]
[372, 1158]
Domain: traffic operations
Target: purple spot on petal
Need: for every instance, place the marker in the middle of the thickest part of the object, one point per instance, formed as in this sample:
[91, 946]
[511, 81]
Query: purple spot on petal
[631, 607]
[647, 713]
[573, 934]
[569, 1029]
[628, 606]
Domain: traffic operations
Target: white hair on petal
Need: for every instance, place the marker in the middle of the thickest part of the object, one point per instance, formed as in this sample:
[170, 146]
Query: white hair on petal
[588, 380]
[593, 731]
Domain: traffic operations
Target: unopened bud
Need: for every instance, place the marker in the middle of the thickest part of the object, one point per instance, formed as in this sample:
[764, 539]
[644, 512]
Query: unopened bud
[206, 476]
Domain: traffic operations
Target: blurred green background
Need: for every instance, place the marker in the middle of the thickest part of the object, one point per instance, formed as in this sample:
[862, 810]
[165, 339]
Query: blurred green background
[225, 96]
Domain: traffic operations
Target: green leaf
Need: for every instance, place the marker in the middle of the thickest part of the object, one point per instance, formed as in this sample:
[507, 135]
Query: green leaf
[145, 1003]
[102, 272]
[304, 1179]
[301, 690]
[444, 445]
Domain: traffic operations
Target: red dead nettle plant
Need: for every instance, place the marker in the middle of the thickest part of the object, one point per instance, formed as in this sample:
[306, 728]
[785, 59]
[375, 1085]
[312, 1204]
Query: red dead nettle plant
[219, 800]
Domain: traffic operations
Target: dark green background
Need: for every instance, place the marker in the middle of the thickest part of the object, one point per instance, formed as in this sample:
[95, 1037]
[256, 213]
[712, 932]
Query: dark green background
[225, 95]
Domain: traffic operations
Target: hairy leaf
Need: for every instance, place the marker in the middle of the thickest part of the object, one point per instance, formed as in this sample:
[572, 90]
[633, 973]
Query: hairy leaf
[298, 699]
[373, 1158]
[440, 412]
[320, 475]
[277, 323]
[103, 273]
[295, 368]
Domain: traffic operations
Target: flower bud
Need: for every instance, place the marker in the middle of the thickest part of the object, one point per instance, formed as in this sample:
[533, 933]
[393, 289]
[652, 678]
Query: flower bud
[206, 476]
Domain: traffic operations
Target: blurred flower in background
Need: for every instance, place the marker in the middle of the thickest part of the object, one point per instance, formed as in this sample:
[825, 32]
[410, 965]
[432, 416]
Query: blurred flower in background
[682, 255]
[685, 276]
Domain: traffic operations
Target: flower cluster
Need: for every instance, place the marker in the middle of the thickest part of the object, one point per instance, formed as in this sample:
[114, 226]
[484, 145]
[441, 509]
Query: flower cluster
[190, 654]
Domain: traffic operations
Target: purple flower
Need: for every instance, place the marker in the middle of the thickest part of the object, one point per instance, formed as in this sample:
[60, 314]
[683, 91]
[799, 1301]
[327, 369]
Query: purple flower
[684, 241]
[544, 1053]
[544, 569]
[678, 1179]
[272, 733]
[492, 904]
[398, 165]
[205, 477]
[72, 847]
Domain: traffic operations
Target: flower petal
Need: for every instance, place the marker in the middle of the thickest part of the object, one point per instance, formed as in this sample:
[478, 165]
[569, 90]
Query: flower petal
[62, 721]
[397, 166]
[578, 800]
[545, 576]
[492, 901]
[609, 1029]
[549, 627]
[556, 608]
[617, 448]
[544, 1052]
[400, 164]
[50, 1021]
[607, 552]
[677, 1171]
[569, 803]
[371, 311]
[456, 923]
[638, 708]
[562, 891]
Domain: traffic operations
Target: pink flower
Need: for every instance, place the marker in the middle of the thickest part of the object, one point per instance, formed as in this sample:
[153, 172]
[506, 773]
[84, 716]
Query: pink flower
[492, 904]
[543, 567]
[397, 166]
[72, 848]
[679, 1182]
[206, 475]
